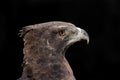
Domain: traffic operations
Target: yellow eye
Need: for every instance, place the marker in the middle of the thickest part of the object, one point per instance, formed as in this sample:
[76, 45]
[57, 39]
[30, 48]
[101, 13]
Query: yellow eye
[62, 32]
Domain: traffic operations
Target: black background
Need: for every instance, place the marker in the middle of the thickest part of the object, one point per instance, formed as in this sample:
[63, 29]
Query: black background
[100, 18]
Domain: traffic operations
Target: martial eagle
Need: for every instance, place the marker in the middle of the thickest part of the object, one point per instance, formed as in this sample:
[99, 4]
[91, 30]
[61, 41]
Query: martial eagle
[44, 50]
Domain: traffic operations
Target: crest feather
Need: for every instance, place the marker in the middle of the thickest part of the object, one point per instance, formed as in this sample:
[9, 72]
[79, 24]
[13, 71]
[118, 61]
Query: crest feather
[24, 30]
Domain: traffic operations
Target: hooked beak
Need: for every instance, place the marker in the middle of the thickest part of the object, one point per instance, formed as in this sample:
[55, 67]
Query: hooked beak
[83, 34]
[79, 35]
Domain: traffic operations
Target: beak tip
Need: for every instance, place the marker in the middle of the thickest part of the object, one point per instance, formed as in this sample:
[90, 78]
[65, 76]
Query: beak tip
[87, 41]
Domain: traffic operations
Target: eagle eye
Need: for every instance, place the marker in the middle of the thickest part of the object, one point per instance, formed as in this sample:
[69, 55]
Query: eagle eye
[62, 32]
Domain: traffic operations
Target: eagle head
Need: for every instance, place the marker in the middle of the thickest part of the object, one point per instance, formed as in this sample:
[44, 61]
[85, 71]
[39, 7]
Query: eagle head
[55, 35]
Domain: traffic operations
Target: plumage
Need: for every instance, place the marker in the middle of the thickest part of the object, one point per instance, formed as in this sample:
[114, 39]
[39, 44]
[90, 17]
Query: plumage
[44, 49]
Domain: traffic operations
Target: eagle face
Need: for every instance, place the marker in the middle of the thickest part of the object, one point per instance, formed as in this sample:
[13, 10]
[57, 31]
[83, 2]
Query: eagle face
[61, 36]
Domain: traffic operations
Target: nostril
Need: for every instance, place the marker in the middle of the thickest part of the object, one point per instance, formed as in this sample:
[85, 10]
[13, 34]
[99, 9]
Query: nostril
[84, 32]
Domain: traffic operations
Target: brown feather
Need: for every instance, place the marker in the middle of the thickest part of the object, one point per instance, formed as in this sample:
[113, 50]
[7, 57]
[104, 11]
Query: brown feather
[44, 51]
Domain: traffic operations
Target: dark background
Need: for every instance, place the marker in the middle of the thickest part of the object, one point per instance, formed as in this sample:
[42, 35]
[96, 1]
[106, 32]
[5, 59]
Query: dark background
[100, 18]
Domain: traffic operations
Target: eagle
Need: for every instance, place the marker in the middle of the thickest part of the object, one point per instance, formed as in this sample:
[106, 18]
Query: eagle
[44, 50]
